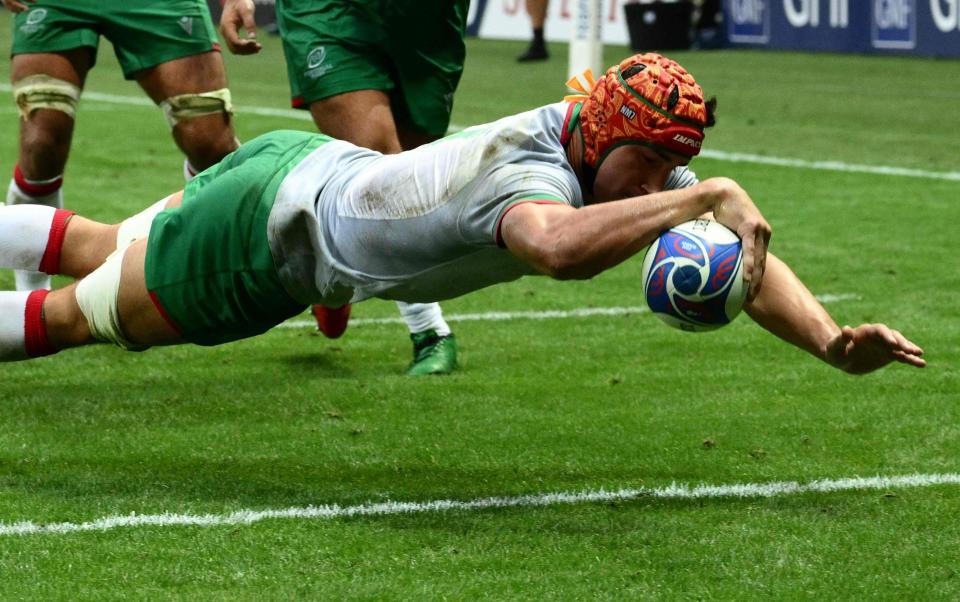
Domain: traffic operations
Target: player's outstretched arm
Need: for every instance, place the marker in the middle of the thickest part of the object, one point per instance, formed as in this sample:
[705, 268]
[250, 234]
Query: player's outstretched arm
[567, 243]
[237, 15]
[786, 308]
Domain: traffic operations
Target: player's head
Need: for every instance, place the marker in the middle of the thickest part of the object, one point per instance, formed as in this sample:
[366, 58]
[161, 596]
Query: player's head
[646, 101]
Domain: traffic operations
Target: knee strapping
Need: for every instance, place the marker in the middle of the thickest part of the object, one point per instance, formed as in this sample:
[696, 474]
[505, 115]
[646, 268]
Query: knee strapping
[189, 106]
[97, 296]
[44, 92]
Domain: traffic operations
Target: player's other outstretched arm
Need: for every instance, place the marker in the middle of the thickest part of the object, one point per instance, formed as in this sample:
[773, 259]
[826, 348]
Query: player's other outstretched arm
[237, 15]
[567, 243]
[786, 308]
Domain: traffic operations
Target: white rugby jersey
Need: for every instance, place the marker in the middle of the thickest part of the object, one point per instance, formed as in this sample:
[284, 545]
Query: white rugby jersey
[349, 224]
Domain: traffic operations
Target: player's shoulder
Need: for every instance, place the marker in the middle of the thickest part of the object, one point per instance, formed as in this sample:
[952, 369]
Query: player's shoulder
[548, 118]
[520, 127]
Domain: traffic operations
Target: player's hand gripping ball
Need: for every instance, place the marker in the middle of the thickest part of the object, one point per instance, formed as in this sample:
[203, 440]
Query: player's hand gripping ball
[693, 276]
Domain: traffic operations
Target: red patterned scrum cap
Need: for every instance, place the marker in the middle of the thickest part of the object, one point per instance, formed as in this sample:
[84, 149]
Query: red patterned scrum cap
[646, 99]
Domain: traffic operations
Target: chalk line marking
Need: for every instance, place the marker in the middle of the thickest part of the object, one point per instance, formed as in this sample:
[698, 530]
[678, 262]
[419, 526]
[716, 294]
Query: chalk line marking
[144, 101]
[885, 170]
[503, 316]
[675, 491]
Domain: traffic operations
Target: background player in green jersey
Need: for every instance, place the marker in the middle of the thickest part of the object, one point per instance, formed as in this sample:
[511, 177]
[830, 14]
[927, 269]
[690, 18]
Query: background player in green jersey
[380, 74]
[169, 47]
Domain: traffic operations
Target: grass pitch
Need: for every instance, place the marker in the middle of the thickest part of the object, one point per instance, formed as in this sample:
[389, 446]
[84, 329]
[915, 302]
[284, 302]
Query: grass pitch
[564, 405]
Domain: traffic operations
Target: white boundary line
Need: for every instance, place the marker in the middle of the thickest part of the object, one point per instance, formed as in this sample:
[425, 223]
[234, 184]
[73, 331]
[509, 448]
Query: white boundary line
[503, 316]
[885, 170]
[675, 491]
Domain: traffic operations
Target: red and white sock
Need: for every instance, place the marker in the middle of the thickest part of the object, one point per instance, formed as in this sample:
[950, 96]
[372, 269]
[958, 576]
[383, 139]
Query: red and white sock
[23, 334]
[39, 192]
[31, 237]
[48, 193]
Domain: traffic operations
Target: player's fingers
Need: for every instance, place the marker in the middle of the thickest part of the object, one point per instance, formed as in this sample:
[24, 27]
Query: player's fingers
[760, 254]
[250, 25]
[247, 47]
[846, 337]
[882, 333]
[747, 246]
[890, 338]
[909, 359]
[230, 24]
[906, 344]
[230, 33]
[238, 45]
[919, 362]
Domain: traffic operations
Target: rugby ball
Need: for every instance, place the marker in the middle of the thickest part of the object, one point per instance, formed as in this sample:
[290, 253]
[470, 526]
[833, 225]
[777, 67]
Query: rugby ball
[693, 276]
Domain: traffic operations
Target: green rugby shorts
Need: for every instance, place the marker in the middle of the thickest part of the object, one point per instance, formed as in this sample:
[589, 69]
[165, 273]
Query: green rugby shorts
[411, 49]
[144, 33]
[208, 267]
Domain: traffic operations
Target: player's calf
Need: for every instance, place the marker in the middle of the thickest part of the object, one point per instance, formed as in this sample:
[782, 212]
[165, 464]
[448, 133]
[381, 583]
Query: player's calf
[205, 141]
[64, 321]
[47, 107]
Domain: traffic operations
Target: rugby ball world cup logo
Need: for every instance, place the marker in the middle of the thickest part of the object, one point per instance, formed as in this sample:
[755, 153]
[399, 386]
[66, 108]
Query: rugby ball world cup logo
[893, 24]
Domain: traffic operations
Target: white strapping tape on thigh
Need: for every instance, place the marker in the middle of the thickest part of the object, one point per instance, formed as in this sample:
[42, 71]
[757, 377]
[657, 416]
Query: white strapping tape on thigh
[136, 227]
[97, 297]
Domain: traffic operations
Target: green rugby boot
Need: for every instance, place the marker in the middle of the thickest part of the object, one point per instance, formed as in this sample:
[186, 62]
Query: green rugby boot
[432, 354]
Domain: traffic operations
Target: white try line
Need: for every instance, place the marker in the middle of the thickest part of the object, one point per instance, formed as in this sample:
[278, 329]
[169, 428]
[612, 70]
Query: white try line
[674, 491]
[503, 316]
[299, 115]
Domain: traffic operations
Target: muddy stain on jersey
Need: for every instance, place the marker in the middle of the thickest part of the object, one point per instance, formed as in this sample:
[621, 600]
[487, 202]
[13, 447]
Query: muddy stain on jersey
[416, 182]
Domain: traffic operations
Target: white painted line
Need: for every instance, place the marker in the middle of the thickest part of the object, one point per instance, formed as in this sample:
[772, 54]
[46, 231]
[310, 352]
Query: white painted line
[830, 165]
[675, 491]
[503, 316]
[710, 154]
[494, 316]
[144, 101]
